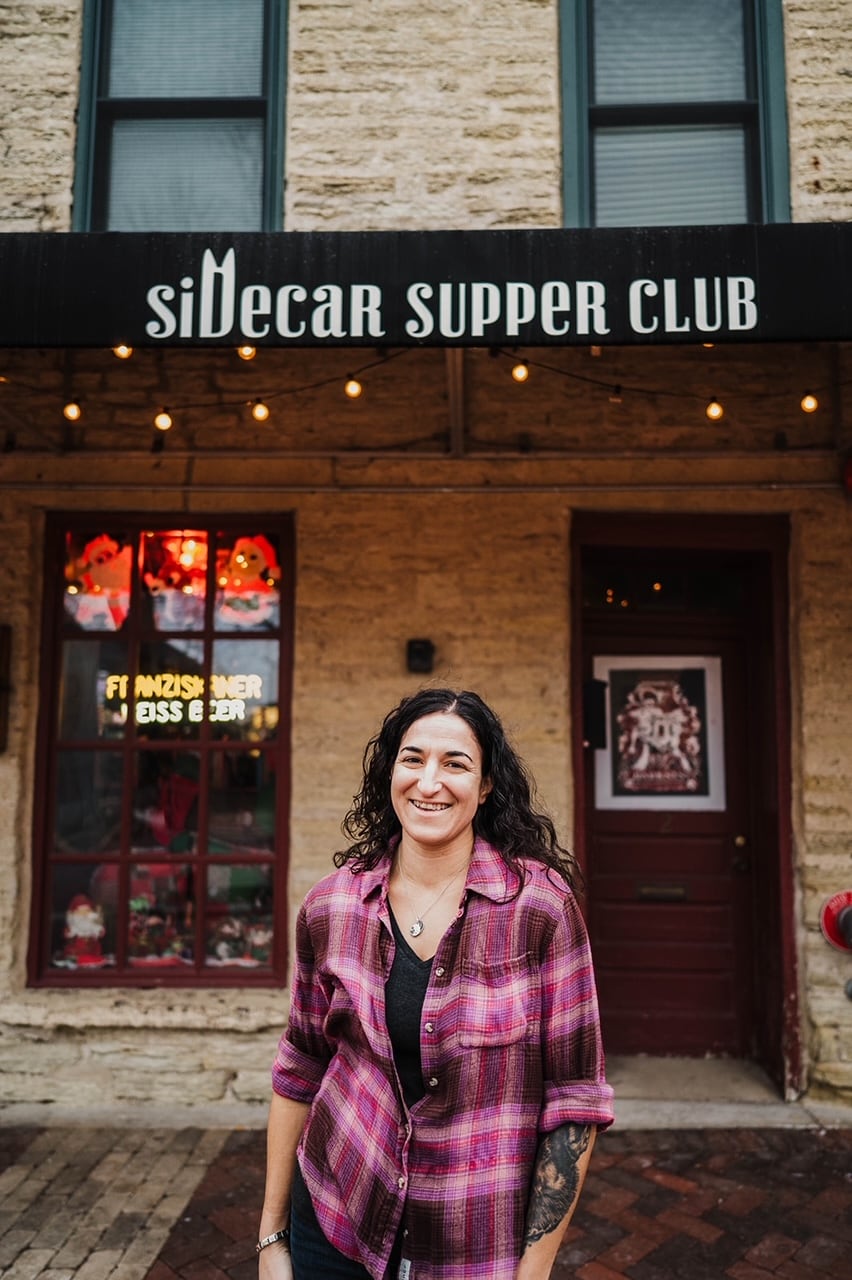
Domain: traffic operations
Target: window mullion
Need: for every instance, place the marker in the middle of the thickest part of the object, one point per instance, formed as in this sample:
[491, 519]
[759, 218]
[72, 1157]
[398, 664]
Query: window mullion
[574, 34]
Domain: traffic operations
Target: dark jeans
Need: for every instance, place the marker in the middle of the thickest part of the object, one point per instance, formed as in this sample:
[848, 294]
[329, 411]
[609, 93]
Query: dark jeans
[312, 1256]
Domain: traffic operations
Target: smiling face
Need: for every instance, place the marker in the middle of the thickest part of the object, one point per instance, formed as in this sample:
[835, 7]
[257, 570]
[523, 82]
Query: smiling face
[437, 783]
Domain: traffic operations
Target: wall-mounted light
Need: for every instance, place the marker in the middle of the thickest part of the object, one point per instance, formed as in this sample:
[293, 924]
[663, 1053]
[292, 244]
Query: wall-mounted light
[420, 656]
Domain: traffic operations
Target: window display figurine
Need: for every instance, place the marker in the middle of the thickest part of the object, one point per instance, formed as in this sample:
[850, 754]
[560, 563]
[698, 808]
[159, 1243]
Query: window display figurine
[248, 581]
[98, 592]
[84, 929]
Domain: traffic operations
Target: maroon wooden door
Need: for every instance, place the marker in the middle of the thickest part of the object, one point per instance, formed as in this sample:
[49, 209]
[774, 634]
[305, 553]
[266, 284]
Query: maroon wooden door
[669, 868]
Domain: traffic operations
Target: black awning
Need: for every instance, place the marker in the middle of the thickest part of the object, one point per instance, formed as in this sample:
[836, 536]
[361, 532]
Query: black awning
[428, 288]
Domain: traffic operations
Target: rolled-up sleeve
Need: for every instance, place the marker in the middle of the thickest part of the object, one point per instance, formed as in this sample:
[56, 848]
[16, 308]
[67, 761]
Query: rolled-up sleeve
[303, 1052]
[575, 1087]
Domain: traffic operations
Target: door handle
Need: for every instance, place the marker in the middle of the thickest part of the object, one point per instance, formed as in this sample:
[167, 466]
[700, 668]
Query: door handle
[740, 862]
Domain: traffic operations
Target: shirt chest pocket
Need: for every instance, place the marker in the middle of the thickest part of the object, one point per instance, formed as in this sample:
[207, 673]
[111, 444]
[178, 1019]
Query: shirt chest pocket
[498, 1002]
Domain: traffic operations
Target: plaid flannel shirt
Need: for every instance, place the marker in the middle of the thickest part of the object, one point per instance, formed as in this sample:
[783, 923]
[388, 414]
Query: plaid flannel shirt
[511, 1050]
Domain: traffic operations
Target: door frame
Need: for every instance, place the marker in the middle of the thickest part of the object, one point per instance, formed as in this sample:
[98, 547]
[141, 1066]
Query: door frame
[769, 535]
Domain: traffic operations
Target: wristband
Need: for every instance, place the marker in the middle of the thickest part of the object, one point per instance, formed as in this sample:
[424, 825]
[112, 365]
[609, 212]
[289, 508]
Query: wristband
[283, 1234]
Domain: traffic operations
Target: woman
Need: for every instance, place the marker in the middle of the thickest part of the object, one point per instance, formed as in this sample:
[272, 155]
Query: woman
[441, 1074]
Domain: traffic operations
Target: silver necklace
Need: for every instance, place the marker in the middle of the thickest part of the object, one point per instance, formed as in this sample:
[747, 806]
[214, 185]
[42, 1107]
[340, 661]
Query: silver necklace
[417, 926]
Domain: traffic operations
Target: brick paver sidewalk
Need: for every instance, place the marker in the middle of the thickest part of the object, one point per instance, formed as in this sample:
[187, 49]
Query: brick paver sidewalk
[658, 1205]
[668, 1205]
[95, 1203]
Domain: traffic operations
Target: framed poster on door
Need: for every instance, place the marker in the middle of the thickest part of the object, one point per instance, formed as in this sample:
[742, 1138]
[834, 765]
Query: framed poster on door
[665, 734]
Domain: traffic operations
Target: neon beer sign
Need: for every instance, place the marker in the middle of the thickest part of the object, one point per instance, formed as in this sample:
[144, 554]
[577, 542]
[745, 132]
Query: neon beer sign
[172, 697]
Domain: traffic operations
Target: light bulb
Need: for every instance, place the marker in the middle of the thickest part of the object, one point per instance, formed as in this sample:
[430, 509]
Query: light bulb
[520, 371]
[163, 421]
[122, 351]
[72, 411]
[260, 411]
[714, 410]
[353, 388]
[809, 403]
[247, 353]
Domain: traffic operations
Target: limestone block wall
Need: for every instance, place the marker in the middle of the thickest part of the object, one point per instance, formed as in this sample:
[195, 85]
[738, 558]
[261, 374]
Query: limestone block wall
[423, 114]
[486, 575]
[819, 98]
[822, 630]
[410, 113]
[39, 93]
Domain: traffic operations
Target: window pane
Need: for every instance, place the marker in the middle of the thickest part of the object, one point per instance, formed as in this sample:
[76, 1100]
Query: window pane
[239, 916]
[174, 578]
[88, 802]
[160, 774]
[244, 692]
[242, 802]
[170, 690]
[82, 918]
[93, 692]
[248, 583]
[160, 915]
[668, 51]
[165, 801]
[98, 569]
[186, 175]
[186, 48]
[678, 175]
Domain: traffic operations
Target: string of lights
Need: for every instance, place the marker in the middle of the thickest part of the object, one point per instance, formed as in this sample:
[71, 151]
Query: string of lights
[713, 407]
[522, 368]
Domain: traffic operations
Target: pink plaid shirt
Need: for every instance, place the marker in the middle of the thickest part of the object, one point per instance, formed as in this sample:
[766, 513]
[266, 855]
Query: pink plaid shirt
[510, 1048]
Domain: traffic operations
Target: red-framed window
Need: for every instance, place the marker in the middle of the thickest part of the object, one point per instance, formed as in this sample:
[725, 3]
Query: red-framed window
[161, 811]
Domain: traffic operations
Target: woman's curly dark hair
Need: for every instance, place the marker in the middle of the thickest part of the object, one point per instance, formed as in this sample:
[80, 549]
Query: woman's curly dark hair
[506, 818]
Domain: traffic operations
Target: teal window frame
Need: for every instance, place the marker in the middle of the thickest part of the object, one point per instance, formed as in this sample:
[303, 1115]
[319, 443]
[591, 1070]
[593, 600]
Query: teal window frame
[90, 166]
[771, 185]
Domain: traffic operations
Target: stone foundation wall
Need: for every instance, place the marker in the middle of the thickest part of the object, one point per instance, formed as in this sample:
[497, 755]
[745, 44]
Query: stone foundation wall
[486, 575]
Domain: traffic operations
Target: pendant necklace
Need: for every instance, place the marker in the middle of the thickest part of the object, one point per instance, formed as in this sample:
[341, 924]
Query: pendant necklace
[417, 927]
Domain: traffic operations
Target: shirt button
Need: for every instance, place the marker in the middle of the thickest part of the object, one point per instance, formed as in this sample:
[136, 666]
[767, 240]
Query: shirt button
[432, 1082]
[430, 1026]
[400, 1182]
[440, 971]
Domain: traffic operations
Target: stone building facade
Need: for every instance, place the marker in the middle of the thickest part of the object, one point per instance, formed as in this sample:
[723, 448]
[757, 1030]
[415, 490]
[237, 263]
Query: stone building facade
[446, 502]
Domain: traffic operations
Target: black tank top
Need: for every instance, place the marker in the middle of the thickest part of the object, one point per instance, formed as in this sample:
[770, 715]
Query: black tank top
[405, 991]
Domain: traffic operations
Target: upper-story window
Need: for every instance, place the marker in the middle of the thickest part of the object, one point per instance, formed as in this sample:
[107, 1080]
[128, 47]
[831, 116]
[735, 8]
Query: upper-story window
[160, 830]
[674, 112]
[181, 116]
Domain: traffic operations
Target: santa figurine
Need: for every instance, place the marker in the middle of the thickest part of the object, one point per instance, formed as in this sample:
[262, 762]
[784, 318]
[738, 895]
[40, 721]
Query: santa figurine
[84, 929]
[248, 581]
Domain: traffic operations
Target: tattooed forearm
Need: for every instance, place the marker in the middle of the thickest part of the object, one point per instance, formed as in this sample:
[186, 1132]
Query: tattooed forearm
[556, 1179]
